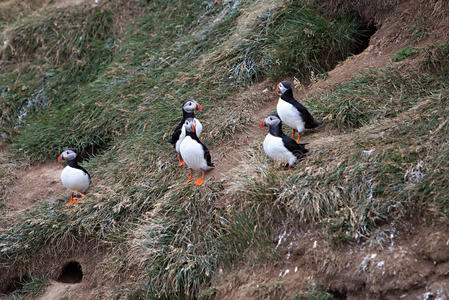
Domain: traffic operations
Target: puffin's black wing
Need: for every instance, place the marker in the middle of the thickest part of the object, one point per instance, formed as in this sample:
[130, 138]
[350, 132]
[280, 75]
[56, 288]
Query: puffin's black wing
[175, 136]
[176, 133]
[306, 116]
[299, 150]
[207, 156]
[84, 170]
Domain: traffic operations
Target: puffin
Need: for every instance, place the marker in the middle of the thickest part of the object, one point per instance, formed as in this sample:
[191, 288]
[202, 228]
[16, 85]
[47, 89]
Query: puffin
[279, 146]
[293, 113]
[195, 153]
[188, 111]
[73, 176]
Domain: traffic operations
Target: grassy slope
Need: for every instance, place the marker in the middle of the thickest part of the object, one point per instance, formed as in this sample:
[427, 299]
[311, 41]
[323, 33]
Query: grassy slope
[115, 97]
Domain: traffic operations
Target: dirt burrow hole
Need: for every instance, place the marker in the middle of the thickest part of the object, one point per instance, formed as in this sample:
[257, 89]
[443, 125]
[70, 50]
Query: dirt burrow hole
[71, 272]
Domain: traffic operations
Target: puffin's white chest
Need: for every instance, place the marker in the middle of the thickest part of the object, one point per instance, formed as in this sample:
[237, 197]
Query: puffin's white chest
[198, 127]
[198, 130]
[193, 154]
[75, 179]
[275, 149]
[290, 115]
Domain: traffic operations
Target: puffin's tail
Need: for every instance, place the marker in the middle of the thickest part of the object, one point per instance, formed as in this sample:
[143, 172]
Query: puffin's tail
[301, 151]
[304, 149]
[317, 123]
[170, 141]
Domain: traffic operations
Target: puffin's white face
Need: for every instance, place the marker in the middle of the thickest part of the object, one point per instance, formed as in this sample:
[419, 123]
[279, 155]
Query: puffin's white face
[189, 126]
[67, 155]
[282, 87]
[191, 105]
[270, 120]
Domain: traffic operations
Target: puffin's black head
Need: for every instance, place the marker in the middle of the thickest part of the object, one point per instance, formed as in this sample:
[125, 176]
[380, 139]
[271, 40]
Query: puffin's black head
[190, 105]
[271, 120]
[284, 86]
[188, 125]
[67, 155]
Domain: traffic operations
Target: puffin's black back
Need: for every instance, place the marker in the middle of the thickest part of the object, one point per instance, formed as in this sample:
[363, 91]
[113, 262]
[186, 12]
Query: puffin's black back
[74, 164]
[177, 131]
[309, 121]
[299, 150]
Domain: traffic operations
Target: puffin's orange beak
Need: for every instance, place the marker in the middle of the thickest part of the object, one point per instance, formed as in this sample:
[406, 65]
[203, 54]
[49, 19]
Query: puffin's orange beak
[277, 87]
[262, 123]
[60, 158]
[199, 107]
[193, 128]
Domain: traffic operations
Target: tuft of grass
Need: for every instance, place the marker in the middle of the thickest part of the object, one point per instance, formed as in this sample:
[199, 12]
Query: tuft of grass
[182, 244]
[72, 36]
[31, 288]
[315, 292]
[402, 54]
[372, 96]
[55, 53]
[435, 59]
[292, 38]
[13, 10]
[7, 176]
[307, 42]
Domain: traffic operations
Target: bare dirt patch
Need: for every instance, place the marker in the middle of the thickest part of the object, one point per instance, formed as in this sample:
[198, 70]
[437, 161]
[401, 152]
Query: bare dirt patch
[34, 184]
[60, 290]
[230, 154]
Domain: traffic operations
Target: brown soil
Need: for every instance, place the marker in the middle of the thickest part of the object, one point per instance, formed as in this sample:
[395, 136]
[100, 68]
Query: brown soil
[400, 269]
[34, 184]
[59, 290]
[230, 154]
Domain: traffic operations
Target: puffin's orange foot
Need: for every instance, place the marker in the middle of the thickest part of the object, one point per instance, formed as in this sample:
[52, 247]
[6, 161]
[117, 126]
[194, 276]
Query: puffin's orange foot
[78, 199]
[71, 200]
[190, 178]
[297, 140]
[199, 181]
[181, 162]
[293, 133]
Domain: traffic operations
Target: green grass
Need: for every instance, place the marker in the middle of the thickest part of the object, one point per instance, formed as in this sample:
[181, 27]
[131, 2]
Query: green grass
[53, 61]
[402, 54]
[371, 96]
[349, 191]
[114, 95]
[314, 293]
[323, 42]
[12, 11]
[95, 101]
[435, 59]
